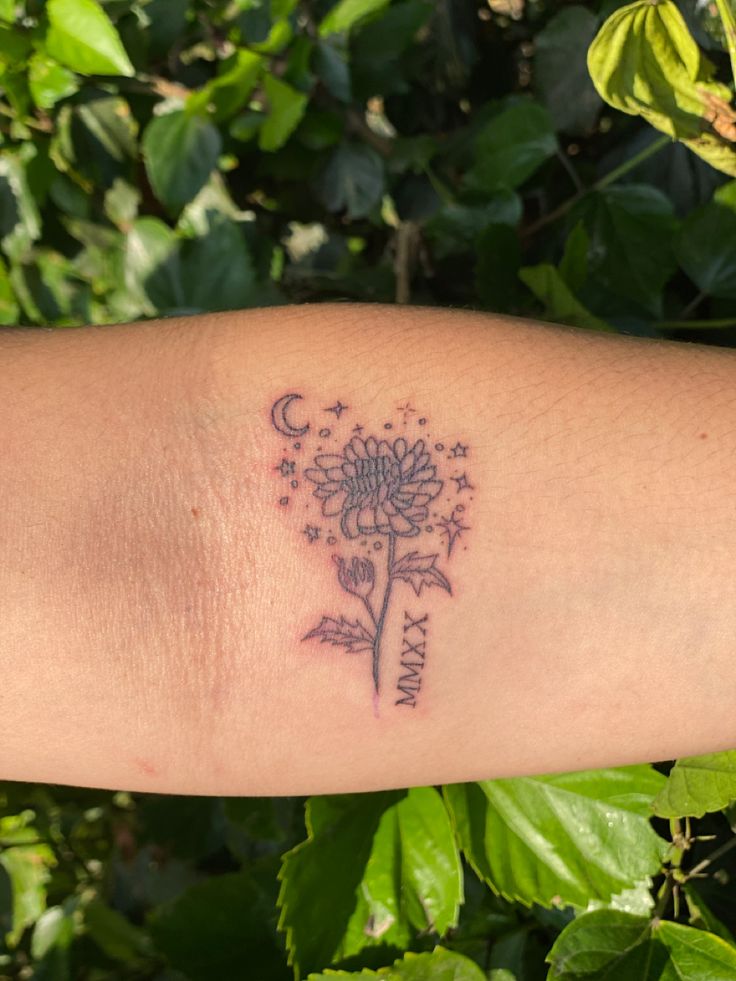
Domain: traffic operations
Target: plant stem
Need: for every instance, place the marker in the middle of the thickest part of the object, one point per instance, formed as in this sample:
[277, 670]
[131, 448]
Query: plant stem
[728, 19]
[696, 324]
[368, 607]
[613, 175]
[384, 608]
[648, 151]
[713, 857]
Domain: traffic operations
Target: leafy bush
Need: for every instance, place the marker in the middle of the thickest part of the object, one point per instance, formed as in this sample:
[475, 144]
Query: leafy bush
[165, 156]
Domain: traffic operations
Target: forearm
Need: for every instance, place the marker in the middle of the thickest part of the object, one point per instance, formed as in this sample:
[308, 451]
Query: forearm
[159, 581]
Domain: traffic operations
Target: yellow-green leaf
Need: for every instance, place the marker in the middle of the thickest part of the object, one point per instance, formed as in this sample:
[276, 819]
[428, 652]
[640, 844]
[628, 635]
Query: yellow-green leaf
[645, 62]
[82, 37]
[697, 785]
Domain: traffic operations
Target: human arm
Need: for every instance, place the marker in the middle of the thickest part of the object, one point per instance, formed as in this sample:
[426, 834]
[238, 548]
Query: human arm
[156, 594]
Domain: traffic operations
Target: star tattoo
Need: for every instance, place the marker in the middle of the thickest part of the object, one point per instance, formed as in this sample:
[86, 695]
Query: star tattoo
[458, 450]
[462, 483]
[312, 533]
[338, 408]
[453, 528]
[358, 429]
[285, 468]
[407, 409]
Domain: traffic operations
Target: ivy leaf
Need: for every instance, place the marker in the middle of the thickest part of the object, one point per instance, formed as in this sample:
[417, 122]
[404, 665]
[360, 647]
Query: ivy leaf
[180, 153]
[419, 570]
[644, 61]
[439, 965]
[566, 838]
[393, 871]
[511, 146]
[697, 785]
[354, 637]
[618, 946]
[286, 108]
[561, 76]
[82, 37]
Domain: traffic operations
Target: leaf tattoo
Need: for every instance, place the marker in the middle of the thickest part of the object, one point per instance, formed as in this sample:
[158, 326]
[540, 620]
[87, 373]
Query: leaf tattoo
[354, 637]
[419, 570]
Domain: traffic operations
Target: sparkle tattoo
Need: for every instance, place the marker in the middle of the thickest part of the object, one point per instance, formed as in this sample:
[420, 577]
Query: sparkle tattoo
[364, 496]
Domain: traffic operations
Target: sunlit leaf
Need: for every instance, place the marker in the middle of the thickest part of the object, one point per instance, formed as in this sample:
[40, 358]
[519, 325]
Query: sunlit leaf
[566, 838]
[82, 37]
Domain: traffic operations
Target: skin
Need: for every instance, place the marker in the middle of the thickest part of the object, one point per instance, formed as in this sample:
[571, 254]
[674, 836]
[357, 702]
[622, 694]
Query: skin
[154, 593]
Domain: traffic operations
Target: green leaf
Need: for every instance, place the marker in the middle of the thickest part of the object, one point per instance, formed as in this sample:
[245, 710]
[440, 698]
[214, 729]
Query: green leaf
[393, 870]
[574, 263]
[331, 64]
[697, 785]
[439, 965]
[114, 933]
[53, 929]
[456, 227]
[216, 268]
[511, 147]
[7, 10]
[353, 180]
[152, 274]
[9, 311]
[645, 62]
[228, 93]
[20, 222]
[561, 78]
[27, 864]
[286, 108]
[591, 944]
[216, 927]
[695, 955]
[560, 303]
[82, 37]
[620, 947]
[631, 230]
[6, 899]
[347, 13]
[706, 247]
[49, 81]
[180, 153]
[562, 839]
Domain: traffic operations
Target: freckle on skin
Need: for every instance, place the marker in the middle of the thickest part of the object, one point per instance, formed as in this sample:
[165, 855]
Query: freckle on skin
[195, 512]
[703, 435]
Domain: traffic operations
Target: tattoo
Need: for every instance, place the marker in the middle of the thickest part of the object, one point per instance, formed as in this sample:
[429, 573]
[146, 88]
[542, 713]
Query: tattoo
[413, 654]
[372, 494]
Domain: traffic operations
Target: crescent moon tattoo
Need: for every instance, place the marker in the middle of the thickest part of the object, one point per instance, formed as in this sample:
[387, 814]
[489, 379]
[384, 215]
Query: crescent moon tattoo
[279, 420]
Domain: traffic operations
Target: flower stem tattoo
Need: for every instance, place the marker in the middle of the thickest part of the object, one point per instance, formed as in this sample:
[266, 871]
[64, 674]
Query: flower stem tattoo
[376, 492]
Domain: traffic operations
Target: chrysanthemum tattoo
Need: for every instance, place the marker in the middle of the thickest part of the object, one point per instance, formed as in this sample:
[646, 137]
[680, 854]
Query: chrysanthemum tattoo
[375, 494]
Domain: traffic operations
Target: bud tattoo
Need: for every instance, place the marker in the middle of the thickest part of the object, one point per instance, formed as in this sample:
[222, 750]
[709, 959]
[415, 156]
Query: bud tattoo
[371, 497]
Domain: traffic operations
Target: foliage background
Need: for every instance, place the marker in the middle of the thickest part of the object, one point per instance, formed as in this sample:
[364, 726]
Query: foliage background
[169, 156]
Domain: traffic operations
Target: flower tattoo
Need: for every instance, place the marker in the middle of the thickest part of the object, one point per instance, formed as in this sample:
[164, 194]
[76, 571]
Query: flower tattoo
[375, 489]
